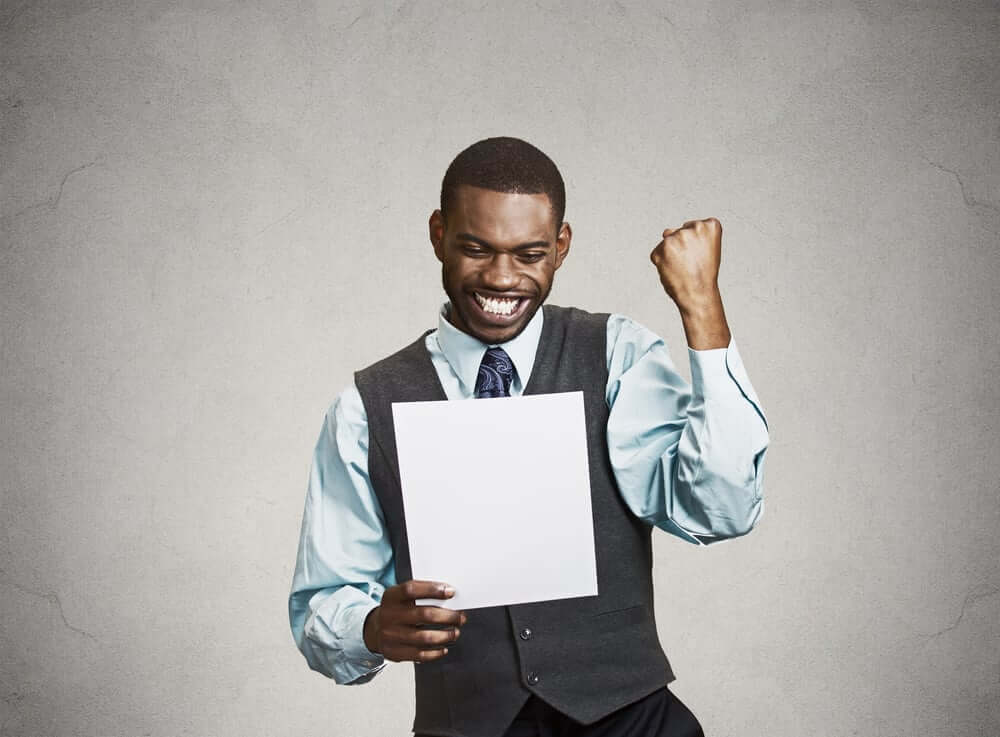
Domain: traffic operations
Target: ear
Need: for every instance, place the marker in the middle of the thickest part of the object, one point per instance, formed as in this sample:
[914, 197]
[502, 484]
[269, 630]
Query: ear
[562, 243]
[436, 230]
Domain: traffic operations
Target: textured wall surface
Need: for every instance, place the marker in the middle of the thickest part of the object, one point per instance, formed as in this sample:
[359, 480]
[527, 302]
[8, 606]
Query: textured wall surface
[213, 212]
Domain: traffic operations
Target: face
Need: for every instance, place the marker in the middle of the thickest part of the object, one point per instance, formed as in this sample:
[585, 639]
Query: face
[499, 253]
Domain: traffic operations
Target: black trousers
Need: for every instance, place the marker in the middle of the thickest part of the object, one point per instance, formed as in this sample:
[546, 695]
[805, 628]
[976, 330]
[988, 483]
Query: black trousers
[660, 714]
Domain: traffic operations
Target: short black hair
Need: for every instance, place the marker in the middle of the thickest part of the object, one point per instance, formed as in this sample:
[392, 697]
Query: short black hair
[505, 164]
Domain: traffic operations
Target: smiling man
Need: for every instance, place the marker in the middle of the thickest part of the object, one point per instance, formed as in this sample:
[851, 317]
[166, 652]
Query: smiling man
[498, 257]
[663, 454]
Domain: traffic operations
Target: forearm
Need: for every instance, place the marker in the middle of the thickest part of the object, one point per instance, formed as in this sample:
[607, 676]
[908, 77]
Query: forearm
[688, 458]
[716, 492]
[724, 440]
[344, 560]
[704, 321]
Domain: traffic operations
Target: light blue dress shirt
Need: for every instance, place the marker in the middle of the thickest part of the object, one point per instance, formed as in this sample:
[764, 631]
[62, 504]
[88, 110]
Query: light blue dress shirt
[688, 458]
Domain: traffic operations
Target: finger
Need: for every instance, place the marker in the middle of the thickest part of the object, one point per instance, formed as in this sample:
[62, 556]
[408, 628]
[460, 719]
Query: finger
[420, 637]
[417, 654]
[428, 614]
[418, 589]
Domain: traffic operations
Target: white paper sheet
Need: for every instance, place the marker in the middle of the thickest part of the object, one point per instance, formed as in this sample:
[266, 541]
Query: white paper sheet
[496, 494]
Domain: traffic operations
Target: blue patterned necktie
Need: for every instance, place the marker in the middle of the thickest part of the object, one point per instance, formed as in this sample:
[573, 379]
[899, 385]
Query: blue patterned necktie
[495, 374]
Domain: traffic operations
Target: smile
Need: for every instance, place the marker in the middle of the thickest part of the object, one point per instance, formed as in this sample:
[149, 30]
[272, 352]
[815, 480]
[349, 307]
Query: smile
[502, 309]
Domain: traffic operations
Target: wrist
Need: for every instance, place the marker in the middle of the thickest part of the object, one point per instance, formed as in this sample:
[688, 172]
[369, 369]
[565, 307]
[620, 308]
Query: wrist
[370, 629]
[705, 323]
[700, 305]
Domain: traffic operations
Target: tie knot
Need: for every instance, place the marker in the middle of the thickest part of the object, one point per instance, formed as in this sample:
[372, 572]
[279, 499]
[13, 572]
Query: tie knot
[495, 374]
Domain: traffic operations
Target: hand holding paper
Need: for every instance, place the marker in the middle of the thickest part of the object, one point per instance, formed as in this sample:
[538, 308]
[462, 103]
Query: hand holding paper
[399, 630]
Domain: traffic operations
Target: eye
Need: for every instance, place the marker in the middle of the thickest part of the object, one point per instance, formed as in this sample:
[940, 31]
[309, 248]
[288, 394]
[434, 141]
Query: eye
[532, 257]
[473, 250]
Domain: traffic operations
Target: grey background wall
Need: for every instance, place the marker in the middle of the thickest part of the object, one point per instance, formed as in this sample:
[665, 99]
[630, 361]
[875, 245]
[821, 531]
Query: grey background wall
[212, 213]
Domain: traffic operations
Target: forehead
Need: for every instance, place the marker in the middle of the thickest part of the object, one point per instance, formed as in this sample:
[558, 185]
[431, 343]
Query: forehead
[501, 217]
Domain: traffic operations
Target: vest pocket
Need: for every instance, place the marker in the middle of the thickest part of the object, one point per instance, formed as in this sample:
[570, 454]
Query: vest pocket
[626, 615]
[609, 623]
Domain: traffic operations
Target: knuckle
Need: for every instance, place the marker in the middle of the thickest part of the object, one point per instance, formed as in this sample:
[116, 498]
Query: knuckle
[428, 637]
[433, 615]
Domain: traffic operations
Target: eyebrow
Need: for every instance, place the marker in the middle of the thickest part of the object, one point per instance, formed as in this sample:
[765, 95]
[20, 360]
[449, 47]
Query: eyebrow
[521, 247]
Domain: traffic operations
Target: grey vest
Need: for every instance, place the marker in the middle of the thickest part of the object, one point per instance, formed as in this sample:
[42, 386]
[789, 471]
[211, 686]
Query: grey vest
[586, 656]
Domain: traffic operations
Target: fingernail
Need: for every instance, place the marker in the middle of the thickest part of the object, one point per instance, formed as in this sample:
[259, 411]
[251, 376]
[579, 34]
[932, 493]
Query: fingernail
[446, 651]
[449, 590]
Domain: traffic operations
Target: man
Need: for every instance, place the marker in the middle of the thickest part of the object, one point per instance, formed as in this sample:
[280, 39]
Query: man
[685, 459]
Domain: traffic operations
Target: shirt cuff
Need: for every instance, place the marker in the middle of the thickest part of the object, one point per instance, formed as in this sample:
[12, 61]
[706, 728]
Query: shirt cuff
[337, 627]
[354, 647]
[718, 374]
[709, 374]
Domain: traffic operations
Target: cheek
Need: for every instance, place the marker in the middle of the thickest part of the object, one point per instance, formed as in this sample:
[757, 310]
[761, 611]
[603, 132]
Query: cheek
[457, 274]
[541, 272]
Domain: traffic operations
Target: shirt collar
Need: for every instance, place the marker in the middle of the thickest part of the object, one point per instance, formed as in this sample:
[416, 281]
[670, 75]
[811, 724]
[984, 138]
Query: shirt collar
[465, 352]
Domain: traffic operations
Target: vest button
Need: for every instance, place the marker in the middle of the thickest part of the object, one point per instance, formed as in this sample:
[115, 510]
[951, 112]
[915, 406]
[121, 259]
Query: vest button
[525, 634]
[532, 678]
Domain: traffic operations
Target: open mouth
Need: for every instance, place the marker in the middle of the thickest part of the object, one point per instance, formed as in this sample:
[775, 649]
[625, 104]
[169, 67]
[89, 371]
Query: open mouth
[500, 310]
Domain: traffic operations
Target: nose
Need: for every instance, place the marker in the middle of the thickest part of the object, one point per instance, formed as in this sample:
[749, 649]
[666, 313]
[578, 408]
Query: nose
[500, 274]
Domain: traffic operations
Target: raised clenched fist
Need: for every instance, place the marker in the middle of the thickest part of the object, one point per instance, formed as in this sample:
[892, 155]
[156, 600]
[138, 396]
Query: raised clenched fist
[687, 260]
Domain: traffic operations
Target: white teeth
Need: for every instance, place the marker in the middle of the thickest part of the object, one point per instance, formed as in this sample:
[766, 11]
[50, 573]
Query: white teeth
[497, 306]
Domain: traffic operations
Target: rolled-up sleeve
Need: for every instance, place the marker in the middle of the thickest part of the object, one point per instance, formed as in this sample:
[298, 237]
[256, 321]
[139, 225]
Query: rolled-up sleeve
[688, 458]
[344, 561]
